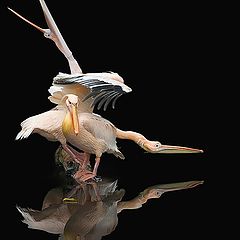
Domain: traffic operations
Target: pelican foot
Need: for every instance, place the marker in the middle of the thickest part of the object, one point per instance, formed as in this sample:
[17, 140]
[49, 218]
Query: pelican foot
[86, 176]
[81, 173]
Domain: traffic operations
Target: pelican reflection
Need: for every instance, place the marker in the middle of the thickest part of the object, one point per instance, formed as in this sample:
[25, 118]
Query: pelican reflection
[90, 210]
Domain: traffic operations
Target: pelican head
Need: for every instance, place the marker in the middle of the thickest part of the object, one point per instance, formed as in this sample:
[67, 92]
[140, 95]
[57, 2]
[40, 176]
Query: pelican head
[157, 147]
[71, 121]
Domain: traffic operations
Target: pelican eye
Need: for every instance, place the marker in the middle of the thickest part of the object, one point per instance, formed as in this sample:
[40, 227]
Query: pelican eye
[158, 193]
[158, 145]
[47, 35]
[70, 102]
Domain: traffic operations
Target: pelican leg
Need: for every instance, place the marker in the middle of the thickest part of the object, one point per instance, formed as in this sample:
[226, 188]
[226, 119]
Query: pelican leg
[76, 156]
[97, 161]
[73, 191]
[80, 174]
[83, 174]
[76, 153]
[84, 169]
[95, 196]
[86, 161]
[86, 175]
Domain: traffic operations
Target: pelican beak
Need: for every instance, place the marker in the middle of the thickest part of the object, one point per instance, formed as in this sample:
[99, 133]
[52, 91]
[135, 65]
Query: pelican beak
[45, 31]
[157, 190]
[176, 186]
[75, 119]
[177, 149]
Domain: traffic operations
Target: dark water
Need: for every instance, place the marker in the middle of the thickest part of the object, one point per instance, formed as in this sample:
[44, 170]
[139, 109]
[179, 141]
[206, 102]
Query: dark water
[164, 59]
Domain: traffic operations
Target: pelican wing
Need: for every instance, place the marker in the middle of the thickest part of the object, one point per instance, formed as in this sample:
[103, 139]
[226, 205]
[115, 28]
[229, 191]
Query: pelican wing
[48, 124]
[99, 127]
[103, 88]
[58, 91]
[51, 219]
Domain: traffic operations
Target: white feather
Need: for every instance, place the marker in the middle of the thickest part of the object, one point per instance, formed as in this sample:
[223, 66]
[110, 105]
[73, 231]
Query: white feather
[26, 130]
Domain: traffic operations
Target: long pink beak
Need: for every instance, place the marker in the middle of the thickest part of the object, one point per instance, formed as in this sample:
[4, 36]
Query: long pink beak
[176, 186]
[177, 149]
[45, 31]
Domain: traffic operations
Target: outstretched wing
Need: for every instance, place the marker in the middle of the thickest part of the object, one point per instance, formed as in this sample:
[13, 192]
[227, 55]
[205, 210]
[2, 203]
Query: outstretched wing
[93, 89]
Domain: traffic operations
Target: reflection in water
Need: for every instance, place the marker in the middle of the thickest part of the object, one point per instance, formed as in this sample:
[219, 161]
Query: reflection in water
[87, 210]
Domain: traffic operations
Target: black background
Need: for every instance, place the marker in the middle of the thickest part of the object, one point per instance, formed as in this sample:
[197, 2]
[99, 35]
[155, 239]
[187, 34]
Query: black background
[164, 53]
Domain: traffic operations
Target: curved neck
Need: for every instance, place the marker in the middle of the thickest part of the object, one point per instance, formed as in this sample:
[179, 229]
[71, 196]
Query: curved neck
[130, 135]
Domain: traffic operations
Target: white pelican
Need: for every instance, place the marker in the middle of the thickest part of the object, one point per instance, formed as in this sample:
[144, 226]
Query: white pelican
[101, 88]
[94, 134]
[91, 89]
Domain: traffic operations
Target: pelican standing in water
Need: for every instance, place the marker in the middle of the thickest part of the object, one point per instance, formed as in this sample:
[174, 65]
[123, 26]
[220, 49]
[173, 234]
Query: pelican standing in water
[93, 134]
[49, 123]
[81, 93]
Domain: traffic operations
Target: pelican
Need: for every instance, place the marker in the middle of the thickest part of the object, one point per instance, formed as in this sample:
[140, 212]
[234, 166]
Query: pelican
[101, 88]
[95, 218]
[91, 89]
[89, 133]
[94, 134]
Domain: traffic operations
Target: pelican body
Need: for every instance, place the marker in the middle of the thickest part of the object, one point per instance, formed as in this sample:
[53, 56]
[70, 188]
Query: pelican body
[94, 134]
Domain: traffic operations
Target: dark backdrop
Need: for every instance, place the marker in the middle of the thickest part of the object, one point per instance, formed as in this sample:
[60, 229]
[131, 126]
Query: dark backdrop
[163, 52]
